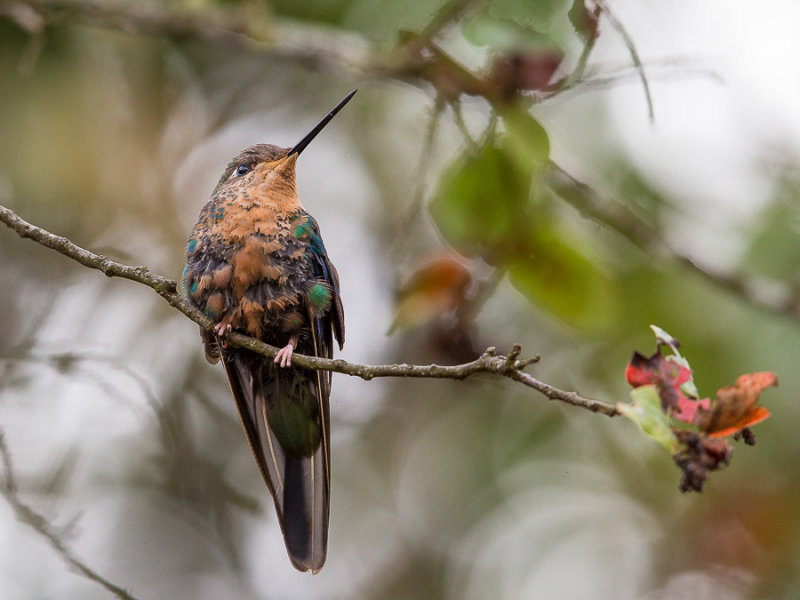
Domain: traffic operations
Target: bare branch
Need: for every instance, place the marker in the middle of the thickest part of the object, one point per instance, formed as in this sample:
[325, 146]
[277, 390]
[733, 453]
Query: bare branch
[422, 167]
[276, 37]
[626, 223]
[417, 59]
[489, 362]
[617, 24]
[25, 514]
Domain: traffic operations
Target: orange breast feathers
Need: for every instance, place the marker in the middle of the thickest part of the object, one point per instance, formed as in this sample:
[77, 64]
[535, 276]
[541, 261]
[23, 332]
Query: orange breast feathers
[243, 228]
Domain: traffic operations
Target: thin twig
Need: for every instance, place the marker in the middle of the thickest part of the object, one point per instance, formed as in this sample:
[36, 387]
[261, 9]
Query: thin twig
[587, 28]
[619, 77]
[65, 361]
[583, 60]
[617, 24]
[455, 106]
[25, 514]
[488, 362]
[423, 164]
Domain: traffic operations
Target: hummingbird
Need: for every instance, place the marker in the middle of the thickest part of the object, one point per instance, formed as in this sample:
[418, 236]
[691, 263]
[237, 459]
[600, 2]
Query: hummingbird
[256, 264]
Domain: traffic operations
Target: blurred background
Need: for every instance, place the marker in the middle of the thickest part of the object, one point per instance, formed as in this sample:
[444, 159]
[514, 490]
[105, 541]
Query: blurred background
[555, 173]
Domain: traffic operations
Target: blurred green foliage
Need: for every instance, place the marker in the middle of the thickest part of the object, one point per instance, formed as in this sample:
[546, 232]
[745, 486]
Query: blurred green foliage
[114, 134]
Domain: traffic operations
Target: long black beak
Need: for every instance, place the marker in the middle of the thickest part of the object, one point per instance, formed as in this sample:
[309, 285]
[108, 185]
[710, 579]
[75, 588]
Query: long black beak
[301, 145]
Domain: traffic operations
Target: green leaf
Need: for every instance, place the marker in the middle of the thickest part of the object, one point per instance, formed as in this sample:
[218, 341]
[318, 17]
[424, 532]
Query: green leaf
[502, 35]
[563, 281]
[774, 235]
[526, 140]
[526, 12]
[645, 411]
[480, 205]
[515, 25]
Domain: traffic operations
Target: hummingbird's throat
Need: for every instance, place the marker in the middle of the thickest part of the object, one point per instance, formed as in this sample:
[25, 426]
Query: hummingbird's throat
[277, 185]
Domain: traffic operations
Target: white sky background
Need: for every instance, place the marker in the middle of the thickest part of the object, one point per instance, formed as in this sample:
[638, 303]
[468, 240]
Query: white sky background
[713, 142]
[706, 147]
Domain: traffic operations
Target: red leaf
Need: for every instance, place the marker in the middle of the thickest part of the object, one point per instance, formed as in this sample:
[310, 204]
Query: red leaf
[584, 19]
[640, 370]
[667, 376]
[758, 414]
[434, 289]
[643, 370]
[688, 408]
[735, 406]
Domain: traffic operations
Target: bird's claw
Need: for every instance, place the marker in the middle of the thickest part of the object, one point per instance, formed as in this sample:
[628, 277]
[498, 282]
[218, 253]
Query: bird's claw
[222, 329]
[284, 355]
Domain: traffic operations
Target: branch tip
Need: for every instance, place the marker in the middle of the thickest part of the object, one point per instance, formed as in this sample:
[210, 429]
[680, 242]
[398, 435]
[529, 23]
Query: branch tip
[524, 362]
[515, 351]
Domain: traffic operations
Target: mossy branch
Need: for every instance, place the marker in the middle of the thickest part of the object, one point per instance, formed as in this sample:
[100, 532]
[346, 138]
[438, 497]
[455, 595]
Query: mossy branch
[510, 366]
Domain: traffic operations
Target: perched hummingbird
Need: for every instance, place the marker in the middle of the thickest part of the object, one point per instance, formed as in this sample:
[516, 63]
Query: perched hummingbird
[256, 264]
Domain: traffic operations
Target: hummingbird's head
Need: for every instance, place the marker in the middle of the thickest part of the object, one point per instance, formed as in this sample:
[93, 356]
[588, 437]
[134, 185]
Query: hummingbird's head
[263, 174]
[253, 166]
[269, 170]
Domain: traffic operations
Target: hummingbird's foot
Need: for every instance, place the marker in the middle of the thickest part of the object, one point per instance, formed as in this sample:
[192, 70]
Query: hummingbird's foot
[221, 329]
[284, 355]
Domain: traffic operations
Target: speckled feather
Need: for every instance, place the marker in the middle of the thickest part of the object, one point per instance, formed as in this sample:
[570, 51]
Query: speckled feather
[256, 262]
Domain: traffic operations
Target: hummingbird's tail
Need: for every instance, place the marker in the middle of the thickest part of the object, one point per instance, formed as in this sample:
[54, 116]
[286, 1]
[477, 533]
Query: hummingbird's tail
[285, 413]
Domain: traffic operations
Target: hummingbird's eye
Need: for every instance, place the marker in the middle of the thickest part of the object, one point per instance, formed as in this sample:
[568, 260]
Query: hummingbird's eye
[242, 169]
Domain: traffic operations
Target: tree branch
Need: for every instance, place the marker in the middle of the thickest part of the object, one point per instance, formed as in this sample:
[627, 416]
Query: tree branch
[281, 38]
[510, 366]
[417, 59]
[617, 24]
[626, 223]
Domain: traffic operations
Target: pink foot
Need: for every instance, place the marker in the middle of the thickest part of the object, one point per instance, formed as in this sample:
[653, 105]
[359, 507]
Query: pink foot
[221, 329]
[284, 355]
